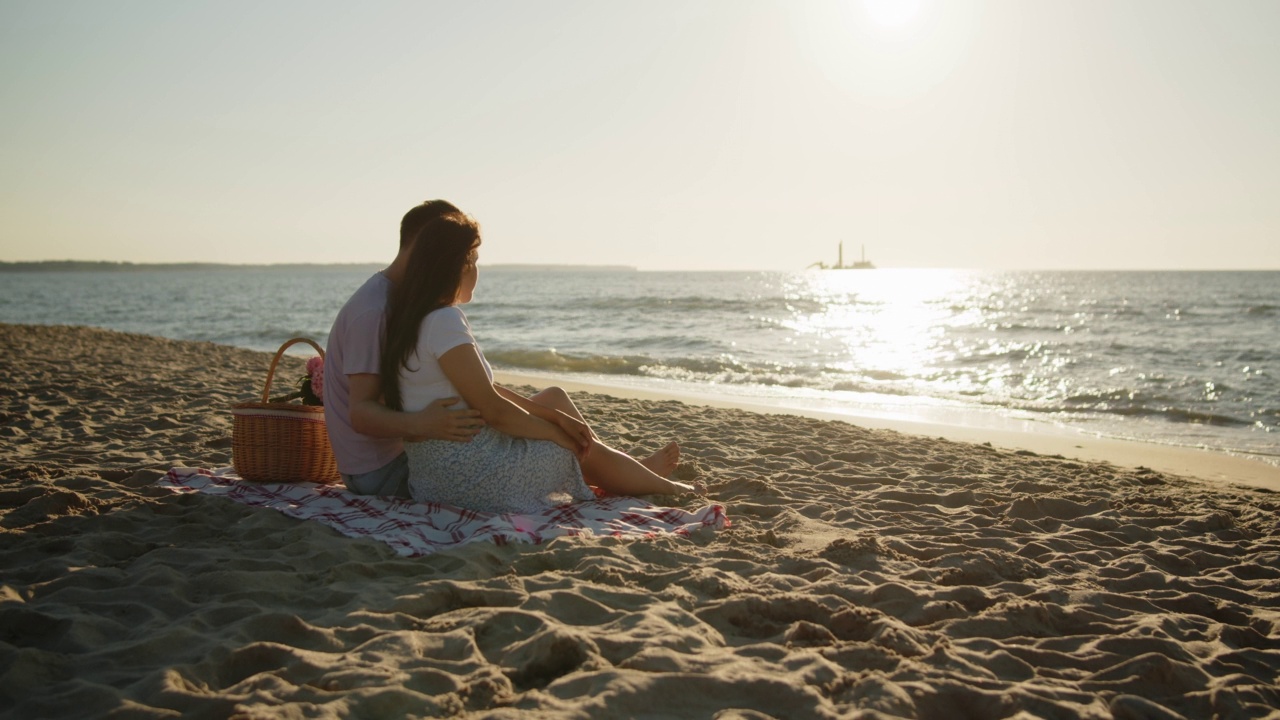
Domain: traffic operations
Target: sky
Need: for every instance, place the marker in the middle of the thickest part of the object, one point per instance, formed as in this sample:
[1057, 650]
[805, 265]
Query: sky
[664, 134]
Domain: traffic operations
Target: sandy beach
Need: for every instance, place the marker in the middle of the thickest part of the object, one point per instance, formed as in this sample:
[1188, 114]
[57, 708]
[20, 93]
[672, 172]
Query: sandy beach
[868, 573]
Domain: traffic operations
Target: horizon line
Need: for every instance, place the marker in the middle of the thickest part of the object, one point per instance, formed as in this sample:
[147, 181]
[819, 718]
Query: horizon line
[89, 265]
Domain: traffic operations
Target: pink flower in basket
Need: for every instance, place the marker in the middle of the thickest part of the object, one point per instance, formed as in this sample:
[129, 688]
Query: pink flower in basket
[315, 370]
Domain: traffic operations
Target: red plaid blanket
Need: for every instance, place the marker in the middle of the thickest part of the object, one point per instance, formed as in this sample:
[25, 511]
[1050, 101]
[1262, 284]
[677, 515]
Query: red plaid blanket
[413, 528]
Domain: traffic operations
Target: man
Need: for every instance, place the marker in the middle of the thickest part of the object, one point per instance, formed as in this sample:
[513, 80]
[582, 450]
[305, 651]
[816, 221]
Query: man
[367, 436]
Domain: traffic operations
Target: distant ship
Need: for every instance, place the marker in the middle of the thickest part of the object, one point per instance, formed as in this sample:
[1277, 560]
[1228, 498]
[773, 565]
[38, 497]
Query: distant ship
[863, 264]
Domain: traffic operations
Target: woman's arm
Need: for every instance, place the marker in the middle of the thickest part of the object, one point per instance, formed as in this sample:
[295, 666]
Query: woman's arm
[525, 403]
[577, 429]
[464, 368]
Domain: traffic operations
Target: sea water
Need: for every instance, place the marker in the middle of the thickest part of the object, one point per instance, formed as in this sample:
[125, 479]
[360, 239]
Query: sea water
[1182, 358]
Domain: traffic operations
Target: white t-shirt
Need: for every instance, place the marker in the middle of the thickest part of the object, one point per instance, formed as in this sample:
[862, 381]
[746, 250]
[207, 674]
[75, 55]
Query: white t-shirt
[441, 331]
[355, 347]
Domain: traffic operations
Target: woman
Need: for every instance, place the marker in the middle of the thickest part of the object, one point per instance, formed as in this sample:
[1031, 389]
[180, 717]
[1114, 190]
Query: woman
[533, 453]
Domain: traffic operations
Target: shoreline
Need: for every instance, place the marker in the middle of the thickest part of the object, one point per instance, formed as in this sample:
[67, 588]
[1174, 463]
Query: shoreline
[1040, 438]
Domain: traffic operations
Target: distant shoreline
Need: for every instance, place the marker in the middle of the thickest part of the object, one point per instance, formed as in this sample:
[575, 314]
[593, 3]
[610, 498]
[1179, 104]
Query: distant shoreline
[37, 266]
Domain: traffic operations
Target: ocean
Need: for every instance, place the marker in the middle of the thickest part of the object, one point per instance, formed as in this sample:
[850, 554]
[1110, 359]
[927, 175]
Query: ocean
[1180, 358]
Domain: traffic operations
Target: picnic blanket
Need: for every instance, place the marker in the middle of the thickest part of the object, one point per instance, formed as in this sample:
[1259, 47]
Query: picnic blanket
[413, 528]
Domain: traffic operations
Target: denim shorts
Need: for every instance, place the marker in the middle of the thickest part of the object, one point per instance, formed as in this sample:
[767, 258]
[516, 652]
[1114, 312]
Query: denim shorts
[390, 479]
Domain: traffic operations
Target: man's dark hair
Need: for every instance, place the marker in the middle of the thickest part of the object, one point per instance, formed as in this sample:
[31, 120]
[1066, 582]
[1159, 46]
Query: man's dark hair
[413, 221]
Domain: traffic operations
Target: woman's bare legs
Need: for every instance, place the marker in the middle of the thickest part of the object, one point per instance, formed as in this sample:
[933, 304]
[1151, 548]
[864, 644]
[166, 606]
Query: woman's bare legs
[664, 462]
[615, 471]
[557, 399]
[620, 474]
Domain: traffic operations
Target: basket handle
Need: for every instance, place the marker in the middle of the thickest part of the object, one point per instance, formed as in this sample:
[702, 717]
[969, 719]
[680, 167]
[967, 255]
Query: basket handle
[266, 389]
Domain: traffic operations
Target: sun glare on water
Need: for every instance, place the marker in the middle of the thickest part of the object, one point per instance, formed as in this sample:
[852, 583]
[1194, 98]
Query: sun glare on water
[886, 322]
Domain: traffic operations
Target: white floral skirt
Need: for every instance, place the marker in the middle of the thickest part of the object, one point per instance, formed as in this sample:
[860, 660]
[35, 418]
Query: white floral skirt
[495, 473]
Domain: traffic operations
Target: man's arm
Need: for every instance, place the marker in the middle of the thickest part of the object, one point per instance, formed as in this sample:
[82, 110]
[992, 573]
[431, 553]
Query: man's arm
[434, 422]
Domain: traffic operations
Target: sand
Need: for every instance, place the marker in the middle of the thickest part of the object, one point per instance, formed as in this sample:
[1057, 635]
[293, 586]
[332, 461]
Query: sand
[868, 573]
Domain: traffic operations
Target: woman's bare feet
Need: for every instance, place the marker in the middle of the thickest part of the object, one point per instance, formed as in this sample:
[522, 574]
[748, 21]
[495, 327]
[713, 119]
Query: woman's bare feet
[665, 461]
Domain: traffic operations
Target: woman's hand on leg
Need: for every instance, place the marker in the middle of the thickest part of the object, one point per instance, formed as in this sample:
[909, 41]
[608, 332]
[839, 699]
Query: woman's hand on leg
[577, 431]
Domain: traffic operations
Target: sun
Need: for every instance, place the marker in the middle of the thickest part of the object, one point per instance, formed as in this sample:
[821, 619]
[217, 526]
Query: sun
[891, 13]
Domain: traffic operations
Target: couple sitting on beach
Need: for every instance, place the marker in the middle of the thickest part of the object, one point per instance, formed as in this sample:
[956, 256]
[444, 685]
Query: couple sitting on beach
[413, 411]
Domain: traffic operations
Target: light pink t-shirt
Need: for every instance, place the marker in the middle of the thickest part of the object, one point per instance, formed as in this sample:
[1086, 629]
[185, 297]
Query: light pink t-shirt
[441, 331]
[355, 346]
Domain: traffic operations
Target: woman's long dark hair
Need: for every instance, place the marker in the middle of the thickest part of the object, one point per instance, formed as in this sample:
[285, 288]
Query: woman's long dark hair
[431, 281]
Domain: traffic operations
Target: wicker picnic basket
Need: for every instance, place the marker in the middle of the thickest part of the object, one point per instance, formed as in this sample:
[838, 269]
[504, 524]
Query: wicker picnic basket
[280, 441]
